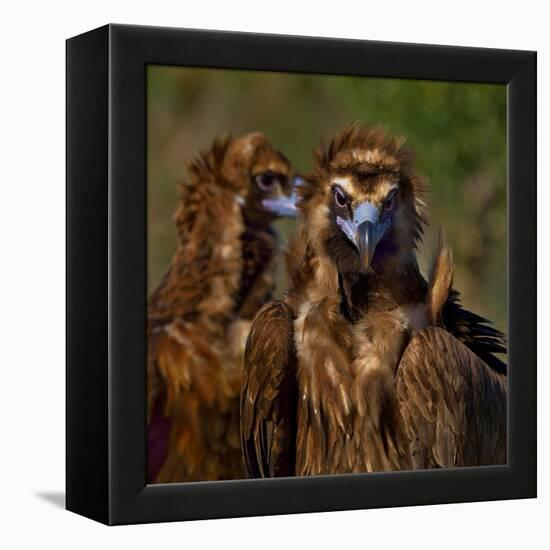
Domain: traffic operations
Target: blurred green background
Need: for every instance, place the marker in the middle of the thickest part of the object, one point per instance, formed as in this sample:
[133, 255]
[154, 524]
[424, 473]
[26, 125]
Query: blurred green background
[457, 129]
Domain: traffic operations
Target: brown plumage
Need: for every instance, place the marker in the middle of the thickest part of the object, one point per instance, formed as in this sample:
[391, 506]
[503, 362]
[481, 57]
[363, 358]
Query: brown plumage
[199, 316]
[365, 366]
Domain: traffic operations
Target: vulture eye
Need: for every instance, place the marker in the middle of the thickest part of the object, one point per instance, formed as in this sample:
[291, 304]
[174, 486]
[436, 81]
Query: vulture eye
[339, 198]
[389, 205]
[266, 180]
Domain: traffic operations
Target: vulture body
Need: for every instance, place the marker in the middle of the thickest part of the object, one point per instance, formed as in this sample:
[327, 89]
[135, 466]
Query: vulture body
[200, 314]
[366, 366]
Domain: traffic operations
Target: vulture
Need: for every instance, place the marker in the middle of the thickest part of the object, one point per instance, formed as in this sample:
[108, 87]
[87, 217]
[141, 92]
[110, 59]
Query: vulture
[220, 275]
[366, 366]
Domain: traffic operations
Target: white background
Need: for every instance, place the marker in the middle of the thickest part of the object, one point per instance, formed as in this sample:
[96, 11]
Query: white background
[32, 211]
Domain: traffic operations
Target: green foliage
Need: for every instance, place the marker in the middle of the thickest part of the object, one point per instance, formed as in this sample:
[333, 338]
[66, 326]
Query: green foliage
[458, 131]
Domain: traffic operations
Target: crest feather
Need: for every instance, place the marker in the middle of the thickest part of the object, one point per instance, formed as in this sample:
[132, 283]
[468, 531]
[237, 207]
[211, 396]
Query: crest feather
[207, 165]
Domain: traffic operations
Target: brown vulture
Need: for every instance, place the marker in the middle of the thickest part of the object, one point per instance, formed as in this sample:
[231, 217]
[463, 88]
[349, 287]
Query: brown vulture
[366, 366]
[221, 273]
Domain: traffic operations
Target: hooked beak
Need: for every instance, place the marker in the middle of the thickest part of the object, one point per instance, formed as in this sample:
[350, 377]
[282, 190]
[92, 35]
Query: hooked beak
[284, 205]
[365, 231]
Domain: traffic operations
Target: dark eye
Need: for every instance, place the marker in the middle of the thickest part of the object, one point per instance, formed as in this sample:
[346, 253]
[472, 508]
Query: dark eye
[266, 180]
[339, 198]
[390, 202]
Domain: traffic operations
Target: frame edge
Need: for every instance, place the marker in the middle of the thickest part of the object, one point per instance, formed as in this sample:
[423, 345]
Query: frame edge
[87, 474]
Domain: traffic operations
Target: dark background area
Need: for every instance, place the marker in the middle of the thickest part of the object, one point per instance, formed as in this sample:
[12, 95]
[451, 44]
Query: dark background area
[458, 131]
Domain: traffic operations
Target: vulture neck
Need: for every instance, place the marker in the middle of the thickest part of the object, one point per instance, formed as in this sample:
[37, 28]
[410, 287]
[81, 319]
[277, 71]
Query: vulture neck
[205, 271]
[258, 243]
[385, 287]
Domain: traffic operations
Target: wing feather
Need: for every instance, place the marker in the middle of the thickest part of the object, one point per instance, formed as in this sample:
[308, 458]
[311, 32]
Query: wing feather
[452, 403]
[268, 396]
[475, 332]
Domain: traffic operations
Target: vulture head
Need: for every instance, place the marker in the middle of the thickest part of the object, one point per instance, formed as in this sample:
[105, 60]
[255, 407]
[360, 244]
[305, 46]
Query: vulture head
[250, 167]
[363, 201]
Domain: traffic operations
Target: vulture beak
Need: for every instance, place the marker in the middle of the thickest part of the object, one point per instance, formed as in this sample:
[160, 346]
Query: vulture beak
[284, 205]
[365, 230]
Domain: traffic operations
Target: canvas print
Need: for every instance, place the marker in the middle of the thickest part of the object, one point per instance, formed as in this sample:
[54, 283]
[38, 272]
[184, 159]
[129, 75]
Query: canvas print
[327, 283]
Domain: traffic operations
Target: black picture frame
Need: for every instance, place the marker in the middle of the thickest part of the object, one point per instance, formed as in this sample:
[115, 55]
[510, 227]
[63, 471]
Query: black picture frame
[107, 272]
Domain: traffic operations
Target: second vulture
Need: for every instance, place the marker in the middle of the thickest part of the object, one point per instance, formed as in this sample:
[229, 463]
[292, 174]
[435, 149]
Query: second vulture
[366, 366]
[221, 273]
